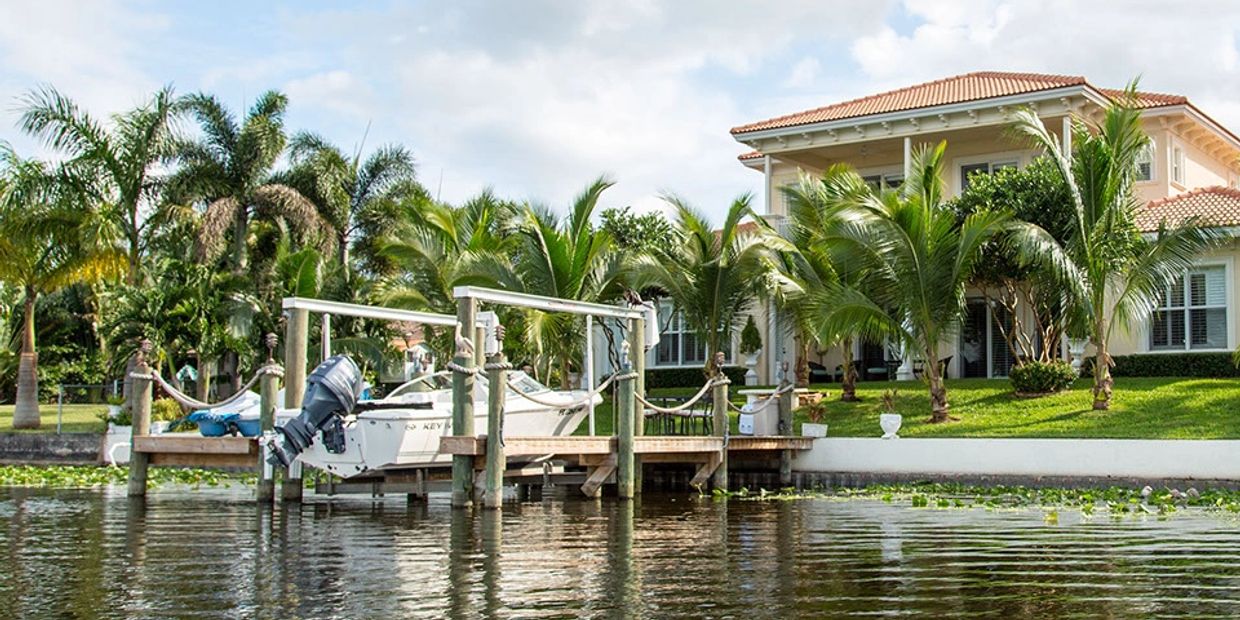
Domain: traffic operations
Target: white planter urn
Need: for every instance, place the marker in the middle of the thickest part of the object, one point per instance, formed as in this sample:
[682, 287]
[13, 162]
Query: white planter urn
[1076, 348]
[890, 423]
[813, 429]
[751, 362]
[114, 410]
[159, 428]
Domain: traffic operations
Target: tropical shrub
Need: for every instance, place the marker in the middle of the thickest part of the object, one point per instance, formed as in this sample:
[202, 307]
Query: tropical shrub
[1037, 377]
[165, 410]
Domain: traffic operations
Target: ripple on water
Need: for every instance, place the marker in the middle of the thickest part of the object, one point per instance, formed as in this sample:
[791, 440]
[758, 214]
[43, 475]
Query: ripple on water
[213, 554]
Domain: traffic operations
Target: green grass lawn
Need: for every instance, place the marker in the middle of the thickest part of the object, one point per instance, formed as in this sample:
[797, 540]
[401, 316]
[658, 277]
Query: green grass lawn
[77, 419]
[1142, 408]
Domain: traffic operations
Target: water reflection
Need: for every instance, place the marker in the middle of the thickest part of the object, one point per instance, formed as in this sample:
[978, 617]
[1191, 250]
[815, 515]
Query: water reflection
[96, 554]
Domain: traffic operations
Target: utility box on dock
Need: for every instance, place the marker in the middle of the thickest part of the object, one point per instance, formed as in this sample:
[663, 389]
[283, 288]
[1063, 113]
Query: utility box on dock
[760, 414]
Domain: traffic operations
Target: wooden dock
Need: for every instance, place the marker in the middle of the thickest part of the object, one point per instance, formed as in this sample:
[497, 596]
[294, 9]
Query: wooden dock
[599, 455]
[193, 450]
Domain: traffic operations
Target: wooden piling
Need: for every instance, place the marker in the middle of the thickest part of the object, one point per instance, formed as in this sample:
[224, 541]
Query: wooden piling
[637, 353]
[625, 418]
[140, 461]
[268, 385]
[787, 402]
[463, 403]
[720, 421]
[296, 343]
[497, 378]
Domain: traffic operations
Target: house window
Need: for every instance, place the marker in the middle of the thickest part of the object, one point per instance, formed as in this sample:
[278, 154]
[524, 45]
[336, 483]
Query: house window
[679, 345]
[884, 181]
[1191, 312]
[1145, 164]
[969, 170]
[1177, 165]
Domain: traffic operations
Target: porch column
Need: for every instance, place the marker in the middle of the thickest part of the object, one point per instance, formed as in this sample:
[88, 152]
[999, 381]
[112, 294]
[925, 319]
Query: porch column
[766, 174]
[1067, 135]
[908, 157]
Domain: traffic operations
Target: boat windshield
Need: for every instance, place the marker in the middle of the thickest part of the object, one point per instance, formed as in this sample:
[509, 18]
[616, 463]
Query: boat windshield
[424, 383]
[524, 383]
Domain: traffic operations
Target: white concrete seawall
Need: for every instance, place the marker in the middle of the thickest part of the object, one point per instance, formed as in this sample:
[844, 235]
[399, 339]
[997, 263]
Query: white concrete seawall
[1102, 458]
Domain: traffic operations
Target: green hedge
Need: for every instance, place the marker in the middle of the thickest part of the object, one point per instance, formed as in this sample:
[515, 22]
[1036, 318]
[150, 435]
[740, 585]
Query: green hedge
[1037, 377]
[1202, 365]
[688, 377]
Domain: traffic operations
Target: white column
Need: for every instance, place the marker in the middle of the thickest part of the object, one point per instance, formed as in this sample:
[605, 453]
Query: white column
[1067, 136]
[773, 356]
[766, 173]
[908, 157]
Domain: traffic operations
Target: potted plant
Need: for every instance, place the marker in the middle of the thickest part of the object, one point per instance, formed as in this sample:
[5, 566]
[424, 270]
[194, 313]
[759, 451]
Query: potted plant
[115, 403]
[751, 347]
[119, 424]
[814, 413]
[888, 419]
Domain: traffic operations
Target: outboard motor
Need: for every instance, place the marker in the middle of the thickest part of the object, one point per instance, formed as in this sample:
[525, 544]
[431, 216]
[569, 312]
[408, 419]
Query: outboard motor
[332, 391]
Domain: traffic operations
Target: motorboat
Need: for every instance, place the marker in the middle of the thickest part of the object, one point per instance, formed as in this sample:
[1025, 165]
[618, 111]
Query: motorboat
[403, 429]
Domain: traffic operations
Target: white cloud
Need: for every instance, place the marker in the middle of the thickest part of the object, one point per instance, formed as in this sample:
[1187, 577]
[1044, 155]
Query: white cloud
[336, 90]
[803, 74]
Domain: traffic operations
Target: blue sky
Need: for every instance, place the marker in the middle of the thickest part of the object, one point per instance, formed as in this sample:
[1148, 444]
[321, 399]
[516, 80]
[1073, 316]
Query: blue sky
[537, 98]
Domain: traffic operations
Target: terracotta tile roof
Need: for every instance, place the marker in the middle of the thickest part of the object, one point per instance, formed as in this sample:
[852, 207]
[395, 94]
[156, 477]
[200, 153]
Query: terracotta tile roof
[959, 89]
[750, 155]
[1213, 206]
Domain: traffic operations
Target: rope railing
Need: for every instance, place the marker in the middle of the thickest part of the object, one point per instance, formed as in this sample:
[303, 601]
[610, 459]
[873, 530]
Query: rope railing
[193, 403]
[763, 402]
[683, 406]
[581, 402]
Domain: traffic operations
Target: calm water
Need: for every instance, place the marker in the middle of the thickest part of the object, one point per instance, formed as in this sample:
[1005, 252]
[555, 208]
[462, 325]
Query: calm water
[213, 554]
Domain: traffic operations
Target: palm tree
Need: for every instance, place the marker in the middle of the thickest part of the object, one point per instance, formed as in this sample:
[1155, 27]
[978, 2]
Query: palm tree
[359, 198]
[116, 163]
[566, 258]
[230, 169]
[49, 238]
[712, 276]
[814, 263]
[1115, 274]
[920, 258]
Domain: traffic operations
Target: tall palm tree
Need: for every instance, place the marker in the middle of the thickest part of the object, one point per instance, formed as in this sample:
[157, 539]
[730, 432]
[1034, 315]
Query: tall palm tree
[230, 171]
[814, 263]
[1115, 273]
[920, 257]
[117, 163]
[359, 198]
[712, 276]
[50, 237]
[566, 258]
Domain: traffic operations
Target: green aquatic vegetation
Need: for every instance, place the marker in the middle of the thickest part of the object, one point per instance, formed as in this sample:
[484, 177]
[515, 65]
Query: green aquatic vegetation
[1116, 501]
[79, 477]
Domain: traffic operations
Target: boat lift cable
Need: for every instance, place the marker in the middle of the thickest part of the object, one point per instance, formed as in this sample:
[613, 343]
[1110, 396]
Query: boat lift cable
[193, 403]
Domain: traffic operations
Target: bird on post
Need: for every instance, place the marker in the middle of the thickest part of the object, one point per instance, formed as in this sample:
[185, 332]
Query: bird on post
[464, 346]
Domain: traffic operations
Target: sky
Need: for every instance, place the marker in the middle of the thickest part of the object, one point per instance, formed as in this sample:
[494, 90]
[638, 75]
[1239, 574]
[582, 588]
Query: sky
[537, 98]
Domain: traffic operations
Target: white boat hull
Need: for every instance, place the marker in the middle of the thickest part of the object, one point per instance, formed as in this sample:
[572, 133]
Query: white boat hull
[387, 439]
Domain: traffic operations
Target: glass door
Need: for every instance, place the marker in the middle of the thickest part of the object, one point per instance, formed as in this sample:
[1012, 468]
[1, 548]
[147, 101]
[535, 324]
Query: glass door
[974, 360]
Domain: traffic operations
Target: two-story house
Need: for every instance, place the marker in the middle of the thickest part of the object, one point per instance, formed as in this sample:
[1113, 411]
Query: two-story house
[1191, 169]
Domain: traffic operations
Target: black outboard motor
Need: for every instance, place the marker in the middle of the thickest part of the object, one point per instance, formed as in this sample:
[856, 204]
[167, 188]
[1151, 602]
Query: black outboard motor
[332, 391]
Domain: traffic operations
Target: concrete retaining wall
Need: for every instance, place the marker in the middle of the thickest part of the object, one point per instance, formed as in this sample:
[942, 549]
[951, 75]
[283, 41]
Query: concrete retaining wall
[1121, 459]
[30, 448]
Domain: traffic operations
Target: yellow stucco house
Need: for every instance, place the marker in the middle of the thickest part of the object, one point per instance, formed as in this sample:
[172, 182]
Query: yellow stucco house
[1192, 169]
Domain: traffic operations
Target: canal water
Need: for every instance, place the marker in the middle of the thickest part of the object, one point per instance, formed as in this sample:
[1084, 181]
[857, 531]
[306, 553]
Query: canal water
[214, 554]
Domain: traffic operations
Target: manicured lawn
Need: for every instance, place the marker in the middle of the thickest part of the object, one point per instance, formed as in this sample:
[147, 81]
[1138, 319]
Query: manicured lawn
[77, 419]
[1142, 408]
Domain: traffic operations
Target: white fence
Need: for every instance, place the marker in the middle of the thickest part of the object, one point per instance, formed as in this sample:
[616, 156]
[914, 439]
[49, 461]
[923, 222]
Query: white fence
[1116, 458]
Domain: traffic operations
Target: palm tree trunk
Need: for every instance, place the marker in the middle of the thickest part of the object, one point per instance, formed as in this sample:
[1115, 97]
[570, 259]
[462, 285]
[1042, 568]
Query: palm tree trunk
[203, 386]
[26, 409]
[802, 369]
[938, 391]
[343, 252]
[848, 385]
[1102, 369]
[241, 229]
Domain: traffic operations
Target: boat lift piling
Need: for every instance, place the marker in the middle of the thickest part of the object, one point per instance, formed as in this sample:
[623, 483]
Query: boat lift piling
[139, 461]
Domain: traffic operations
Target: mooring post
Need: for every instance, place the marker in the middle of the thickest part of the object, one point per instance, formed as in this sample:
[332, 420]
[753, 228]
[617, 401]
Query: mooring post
[720, 420]
[637, 352]
[786, 404]
[296, 343]
[140, 461]
[497, 377]
[463, 368]
[625, 418]
[268, 385]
